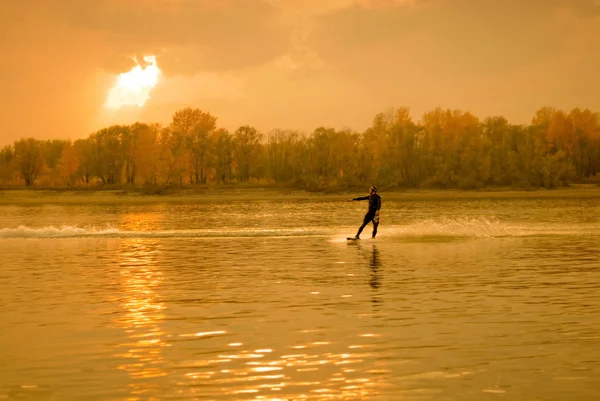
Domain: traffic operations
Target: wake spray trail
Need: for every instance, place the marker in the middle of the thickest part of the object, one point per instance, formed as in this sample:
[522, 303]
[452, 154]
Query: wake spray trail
[461, 227]
[479, 227]
[482, 227]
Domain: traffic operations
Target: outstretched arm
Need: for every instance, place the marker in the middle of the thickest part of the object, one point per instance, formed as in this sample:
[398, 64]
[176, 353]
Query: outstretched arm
[360, 198]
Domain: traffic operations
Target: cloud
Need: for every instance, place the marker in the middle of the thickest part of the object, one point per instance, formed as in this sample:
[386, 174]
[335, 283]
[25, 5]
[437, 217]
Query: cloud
[319, 7]
[199, 87]
[459, 36]
[187, 34]
[294, 63]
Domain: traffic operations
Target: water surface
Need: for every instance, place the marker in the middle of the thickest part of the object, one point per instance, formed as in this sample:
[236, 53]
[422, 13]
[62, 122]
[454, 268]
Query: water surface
[265, 300]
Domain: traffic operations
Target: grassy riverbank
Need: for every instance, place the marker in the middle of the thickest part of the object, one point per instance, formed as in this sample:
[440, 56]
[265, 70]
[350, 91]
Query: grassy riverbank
[220, 194]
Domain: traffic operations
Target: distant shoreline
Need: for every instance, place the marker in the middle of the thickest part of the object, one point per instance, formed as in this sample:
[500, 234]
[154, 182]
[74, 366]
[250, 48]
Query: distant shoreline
[220, 194]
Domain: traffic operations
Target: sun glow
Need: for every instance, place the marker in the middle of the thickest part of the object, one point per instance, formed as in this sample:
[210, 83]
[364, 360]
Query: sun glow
[134, 87]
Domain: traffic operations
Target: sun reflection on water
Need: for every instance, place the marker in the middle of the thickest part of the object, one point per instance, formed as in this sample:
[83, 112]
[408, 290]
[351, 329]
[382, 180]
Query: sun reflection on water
[143, 311]
[319, 372]
[221, 364]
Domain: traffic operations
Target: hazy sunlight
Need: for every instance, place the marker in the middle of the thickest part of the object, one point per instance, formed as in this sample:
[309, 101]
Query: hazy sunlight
[133, 87]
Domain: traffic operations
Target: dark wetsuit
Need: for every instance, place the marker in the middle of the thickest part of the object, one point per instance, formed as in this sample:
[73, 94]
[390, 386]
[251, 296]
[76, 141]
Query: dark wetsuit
[374, 206]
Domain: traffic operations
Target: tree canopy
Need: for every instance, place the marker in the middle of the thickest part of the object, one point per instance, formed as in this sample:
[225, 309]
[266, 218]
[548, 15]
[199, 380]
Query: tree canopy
[445, 149]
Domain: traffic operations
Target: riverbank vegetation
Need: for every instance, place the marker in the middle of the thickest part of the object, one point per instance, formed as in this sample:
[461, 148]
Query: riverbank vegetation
[220, 194]
[448, 149]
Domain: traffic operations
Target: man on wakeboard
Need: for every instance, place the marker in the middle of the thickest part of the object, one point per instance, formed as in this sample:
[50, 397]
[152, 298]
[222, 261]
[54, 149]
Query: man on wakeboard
[373, 212]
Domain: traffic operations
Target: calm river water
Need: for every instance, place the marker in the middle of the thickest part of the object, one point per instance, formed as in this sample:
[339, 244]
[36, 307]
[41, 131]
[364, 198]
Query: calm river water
[266, 300]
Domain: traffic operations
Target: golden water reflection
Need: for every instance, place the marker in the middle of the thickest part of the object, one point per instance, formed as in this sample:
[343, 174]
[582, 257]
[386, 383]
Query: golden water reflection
[142, 314]
[304, 365]
[315, 370]
[147, 221]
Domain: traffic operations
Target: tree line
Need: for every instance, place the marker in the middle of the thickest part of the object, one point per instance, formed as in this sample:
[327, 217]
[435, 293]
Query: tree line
[446, 149]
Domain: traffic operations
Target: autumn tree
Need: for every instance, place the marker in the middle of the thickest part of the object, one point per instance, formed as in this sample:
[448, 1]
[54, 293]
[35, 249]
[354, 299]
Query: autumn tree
[107, 153]
[30, 159]
[222, 145]
[173, 158]
[7, 163]
[52, 151]
[85, 150]
[554, 135]
[319, 166]
[450, 137]
[246, 147]
[281, 149]
[146, 152]
[68, 164]
[496, 131]
[586, 142]
[397, 142]
[345, 159]
[128, 145]
[374, 154]
[138, 144]
[194, 128]
[446, 148]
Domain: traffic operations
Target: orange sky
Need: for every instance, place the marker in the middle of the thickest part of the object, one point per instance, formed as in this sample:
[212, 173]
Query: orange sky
[294, 64]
